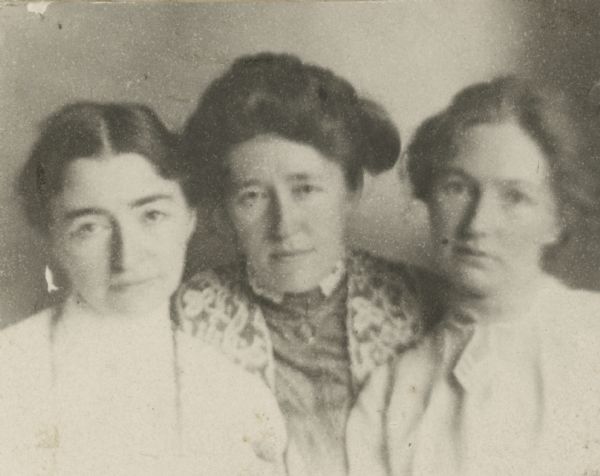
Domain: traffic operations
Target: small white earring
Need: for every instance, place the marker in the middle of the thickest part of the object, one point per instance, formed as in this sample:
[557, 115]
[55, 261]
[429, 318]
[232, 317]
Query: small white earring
[50, 281]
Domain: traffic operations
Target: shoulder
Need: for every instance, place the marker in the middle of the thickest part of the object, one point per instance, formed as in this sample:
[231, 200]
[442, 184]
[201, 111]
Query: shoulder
[375, 268]
[570, 330]
[571, 315]
[28, 333]
[392, 277]
[25, 359]
[210, 284]
[211, 293]
[404, 290]
[216, 307]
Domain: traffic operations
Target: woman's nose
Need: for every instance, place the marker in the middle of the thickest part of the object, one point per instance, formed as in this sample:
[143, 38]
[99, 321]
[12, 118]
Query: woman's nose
[284, 216]
[482, 215]
[126, 247]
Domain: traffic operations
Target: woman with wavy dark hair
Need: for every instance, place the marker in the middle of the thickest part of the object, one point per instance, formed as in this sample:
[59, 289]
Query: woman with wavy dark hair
[105, 382]
[507, 382]
[280, 148]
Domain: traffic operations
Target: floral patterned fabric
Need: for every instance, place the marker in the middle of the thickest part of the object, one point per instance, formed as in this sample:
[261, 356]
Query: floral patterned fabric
[385, 314]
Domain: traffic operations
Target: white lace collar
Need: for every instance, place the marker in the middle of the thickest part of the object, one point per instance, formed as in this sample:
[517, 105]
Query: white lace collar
[327, 285]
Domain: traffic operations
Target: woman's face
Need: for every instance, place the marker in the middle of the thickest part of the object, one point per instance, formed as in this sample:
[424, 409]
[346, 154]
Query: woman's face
[492, 210]
[288, 205]
[119, 233]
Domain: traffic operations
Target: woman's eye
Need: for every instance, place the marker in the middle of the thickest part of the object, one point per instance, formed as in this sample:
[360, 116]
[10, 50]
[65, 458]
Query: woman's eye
[154, 216]
[249, 198]
[453, 187]
[86, 230]
[515, 197]
[305, 190]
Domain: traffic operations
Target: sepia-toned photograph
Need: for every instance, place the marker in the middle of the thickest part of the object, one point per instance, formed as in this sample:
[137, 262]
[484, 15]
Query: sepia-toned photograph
[337, 238]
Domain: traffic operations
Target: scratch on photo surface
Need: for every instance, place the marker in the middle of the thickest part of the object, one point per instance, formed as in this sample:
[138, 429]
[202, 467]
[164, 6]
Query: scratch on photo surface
[38, 7]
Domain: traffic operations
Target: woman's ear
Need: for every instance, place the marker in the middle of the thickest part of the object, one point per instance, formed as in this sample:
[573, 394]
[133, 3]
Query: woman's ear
[56, 278]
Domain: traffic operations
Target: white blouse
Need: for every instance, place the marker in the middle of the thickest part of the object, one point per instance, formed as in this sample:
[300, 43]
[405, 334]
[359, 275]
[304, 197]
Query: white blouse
[84, 394]
[516, 397]
[116, 389]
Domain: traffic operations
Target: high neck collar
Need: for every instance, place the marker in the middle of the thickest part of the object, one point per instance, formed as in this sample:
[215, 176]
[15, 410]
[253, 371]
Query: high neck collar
[326, 286]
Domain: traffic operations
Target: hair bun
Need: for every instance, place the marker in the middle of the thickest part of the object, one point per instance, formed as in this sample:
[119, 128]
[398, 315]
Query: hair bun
[381, 139]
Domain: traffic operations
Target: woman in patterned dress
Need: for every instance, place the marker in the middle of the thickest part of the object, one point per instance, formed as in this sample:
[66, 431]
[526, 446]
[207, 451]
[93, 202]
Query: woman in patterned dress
[280, 148]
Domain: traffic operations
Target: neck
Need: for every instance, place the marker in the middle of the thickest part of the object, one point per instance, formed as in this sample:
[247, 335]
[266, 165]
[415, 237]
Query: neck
[156, 314]
[498, 306]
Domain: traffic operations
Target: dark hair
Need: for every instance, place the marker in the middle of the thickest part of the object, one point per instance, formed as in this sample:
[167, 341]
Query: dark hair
[89, 129]
[278, 94]
[542, 113]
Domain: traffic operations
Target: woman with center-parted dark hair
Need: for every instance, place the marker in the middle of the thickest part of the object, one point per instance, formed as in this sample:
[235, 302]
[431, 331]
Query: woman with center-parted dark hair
[105, 382]
[279, 148]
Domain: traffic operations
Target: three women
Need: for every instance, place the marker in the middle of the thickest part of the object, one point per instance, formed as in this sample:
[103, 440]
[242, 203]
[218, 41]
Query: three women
[278, 149]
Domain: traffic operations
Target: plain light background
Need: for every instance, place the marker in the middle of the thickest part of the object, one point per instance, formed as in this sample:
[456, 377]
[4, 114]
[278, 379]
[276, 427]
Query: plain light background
[410, 55]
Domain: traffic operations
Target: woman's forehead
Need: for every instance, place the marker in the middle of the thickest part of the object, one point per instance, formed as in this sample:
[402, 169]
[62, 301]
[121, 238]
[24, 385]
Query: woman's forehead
[500, 152]
[113, 180]
[268, 157]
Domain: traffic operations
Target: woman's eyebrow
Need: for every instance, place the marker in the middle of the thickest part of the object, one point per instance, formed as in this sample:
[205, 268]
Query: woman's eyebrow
[451, 170]
[302, 177]
[149, 199]
[245, 183]
[522, 183]
[79, 212]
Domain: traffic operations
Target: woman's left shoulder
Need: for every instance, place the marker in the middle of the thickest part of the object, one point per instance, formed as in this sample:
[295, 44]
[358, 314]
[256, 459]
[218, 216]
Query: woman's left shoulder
[572, 310]
[214, 307]
[399, 284]
[367, 264]
[570, 326]
[368, 270]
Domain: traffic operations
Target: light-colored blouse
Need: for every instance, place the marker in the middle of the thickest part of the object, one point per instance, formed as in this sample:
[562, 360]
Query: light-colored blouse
[520, 396]
[84, 394]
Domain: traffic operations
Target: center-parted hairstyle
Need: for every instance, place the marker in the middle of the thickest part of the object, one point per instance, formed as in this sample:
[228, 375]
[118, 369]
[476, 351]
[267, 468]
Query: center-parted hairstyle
[91, 130]
[278, 94]
[542, 113]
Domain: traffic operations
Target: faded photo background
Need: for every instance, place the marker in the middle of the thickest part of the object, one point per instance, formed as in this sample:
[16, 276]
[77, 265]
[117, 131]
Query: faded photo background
[410, 55]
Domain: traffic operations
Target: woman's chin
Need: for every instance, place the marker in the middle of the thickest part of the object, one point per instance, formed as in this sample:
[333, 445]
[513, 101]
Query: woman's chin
[475, 282]
[292, 284]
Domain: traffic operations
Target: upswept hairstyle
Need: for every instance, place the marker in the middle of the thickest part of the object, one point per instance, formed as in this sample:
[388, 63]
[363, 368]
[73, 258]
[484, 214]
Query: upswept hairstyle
[543, 114]
[278, 94]
[90, 130]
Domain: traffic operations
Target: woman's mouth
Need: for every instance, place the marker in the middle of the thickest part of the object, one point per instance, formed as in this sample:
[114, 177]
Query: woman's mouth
[473, 254]
[288, 255]
[123, 285]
